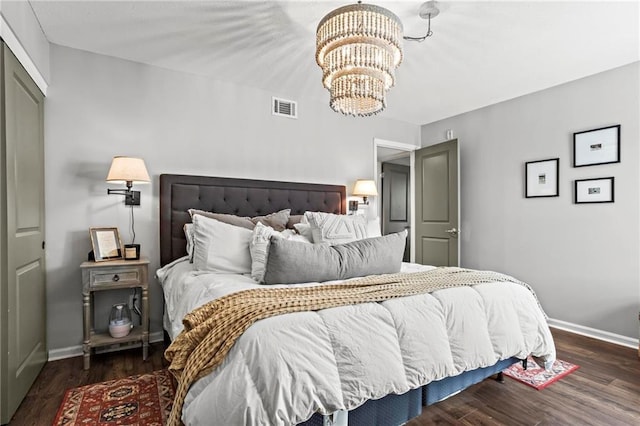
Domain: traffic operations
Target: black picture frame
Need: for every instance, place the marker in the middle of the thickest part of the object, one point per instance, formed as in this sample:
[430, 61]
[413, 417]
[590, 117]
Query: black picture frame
[542, 178]
[591, 191]
[596, 146]
[106, 243]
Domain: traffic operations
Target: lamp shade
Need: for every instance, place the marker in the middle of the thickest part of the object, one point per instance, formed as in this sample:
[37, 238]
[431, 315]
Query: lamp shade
[365, 188]
[128, 169]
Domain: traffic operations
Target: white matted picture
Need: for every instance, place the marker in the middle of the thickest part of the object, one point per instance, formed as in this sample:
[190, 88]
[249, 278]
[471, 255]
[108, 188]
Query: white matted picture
[106, 243]
[597, 146]
[599, 190]
[541, 178]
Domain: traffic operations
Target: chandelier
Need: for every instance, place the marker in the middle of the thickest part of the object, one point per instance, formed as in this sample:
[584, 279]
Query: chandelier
[359, 47]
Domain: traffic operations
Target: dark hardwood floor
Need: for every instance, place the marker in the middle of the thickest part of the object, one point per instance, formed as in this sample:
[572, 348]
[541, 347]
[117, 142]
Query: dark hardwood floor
[45, 396]
[604, 391]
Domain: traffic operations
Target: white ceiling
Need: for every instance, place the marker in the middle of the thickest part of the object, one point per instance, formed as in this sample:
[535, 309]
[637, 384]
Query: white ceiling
[480, 53]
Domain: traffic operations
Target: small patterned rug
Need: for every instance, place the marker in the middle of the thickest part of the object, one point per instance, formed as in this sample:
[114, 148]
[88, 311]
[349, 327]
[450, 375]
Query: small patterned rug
[536, 376]
[145, 399]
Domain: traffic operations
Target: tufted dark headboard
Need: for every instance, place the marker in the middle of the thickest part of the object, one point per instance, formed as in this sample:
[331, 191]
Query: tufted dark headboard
[242, 197]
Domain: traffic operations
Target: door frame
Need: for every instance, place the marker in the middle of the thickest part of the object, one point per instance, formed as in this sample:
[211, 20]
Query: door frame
[400, 146]
[12, 41]
[459, 194]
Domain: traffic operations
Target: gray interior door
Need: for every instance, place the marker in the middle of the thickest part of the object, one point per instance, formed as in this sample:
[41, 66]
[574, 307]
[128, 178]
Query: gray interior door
[25, 278]
[437, 214]
[396, 202]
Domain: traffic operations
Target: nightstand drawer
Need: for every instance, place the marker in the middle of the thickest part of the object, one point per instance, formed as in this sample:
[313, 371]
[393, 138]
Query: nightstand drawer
[115, 276]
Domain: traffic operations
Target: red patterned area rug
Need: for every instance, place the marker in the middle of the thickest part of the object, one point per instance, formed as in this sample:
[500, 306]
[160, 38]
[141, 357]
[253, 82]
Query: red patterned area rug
[536, 376]
[145, 399]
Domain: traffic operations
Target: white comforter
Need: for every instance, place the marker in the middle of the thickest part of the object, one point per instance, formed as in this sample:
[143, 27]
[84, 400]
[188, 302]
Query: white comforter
[286, 368]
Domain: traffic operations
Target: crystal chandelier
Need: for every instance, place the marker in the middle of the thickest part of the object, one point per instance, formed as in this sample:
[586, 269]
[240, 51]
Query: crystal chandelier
[359, 48]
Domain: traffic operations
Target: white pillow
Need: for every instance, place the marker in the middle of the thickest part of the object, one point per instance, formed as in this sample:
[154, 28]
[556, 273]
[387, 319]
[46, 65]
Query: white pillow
[373, 228]
[188, 233]
[259, 247]
[336, 229]
[304, 229]
[220, 247]
[296, 237]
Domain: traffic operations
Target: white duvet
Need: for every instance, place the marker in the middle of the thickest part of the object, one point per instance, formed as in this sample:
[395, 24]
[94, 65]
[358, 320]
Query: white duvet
[286, 368]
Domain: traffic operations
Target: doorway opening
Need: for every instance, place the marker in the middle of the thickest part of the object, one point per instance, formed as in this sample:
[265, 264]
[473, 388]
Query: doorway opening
[393, 162]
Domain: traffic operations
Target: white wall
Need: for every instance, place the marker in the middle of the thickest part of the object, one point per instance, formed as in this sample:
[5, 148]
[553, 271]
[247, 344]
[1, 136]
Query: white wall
[583, 260]
[99, 106]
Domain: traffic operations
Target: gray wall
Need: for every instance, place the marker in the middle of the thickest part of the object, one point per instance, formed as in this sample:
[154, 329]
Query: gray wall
[99, 106]
[582, 259]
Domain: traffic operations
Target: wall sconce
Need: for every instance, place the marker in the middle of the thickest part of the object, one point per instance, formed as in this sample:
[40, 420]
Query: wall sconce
[128, 170]
[363, 188]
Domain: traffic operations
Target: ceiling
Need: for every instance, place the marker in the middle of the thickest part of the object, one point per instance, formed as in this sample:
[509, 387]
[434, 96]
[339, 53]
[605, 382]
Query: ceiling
[480, 53]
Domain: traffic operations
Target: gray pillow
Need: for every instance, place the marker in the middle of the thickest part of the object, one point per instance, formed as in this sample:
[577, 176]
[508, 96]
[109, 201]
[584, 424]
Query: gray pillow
[294, 219]
[292, 262]
[243, 222]
[277, 220]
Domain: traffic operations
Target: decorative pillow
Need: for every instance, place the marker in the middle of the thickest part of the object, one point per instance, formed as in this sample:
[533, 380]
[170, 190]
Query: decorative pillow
[336, 229]
[290, 262]
[188, 233]
[259, 247]
[220, 247]
[277, 220]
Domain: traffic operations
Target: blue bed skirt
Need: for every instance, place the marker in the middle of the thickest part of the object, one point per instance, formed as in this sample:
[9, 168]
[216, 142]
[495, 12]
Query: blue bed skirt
[394, 410]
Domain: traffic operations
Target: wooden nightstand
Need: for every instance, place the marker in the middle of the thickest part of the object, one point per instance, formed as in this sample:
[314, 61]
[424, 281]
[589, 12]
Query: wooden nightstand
[110, 275]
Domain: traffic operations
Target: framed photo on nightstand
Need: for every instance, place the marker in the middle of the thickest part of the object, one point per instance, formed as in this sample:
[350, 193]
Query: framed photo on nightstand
[106, 243]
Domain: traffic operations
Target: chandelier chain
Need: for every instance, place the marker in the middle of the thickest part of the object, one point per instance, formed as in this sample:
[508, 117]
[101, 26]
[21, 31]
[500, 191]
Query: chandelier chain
[424, 37]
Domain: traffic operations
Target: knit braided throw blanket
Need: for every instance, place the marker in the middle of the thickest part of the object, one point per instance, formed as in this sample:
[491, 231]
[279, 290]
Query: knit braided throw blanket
[211, 330]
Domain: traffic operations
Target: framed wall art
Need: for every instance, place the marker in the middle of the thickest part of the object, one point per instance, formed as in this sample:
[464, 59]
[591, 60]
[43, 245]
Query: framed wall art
[599, 190]
[106, 243]
[541, 178]
[597, 146]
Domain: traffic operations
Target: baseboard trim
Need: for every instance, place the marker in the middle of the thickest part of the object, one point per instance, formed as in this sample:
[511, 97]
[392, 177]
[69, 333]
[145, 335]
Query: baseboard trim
[594, 333]
[73, 351]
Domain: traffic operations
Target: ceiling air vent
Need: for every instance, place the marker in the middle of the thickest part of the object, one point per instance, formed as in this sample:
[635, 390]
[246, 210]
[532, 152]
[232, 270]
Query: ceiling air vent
[284, 108]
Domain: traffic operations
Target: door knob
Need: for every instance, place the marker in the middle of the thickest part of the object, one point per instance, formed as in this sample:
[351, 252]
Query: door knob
[453, 232]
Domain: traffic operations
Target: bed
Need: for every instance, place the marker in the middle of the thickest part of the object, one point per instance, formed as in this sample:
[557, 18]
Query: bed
[186, 289]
